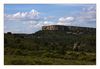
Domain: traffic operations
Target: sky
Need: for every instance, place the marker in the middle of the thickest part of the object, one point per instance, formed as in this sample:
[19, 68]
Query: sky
[29, 18]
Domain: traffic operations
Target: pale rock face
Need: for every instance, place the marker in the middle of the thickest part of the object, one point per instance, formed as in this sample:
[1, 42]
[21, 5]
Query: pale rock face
[74, 29]
[54, 27]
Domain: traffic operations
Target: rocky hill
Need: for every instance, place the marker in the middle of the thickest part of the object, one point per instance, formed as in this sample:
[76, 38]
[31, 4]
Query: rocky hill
[51, 47]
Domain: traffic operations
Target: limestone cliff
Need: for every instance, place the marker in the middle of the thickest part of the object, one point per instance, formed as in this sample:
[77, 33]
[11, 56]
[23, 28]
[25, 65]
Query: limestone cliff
[69, 28]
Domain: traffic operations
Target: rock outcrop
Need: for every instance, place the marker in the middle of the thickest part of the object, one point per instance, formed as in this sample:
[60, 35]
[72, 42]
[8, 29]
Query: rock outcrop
[70, 28]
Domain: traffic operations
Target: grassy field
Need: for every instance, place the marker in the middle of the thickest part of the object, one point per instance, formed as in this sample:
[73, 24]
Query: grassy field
[71, 58]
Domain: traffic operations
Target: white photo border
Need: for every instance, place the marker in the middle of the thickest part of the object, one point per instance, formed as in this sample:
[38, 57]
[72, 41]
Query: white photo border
[2, 66]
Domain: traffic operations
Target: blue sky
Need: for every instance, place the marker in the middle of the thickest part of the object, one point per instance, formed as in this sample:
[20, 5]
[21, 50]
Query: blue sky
[29, 18]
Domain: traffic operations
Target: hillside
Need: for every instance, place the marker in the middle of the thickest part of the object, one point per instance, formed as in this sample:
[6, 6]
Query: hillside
[50, 47]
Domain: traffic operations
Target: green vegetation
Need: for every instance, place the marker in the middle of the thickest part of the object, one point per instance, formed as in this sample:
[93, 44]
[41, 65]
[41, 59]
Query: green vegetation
[49, 48]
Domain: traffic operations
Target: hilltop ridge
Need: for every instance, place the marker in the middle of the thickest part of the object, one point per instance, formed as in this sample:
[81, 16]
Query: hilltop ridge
[69, 28]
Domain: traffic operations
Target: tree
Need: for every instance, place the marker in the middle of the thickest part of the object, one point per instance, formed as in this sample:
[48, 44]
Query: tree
[9, 33]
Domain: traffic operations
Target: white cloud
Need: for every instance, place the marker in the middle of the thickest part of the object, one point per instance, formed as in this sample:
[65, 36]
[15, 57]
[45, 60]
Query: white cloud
[40, 24]
[87, 16]
[31, 19]
[23, 16]
[65, 20]
[48, 23]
